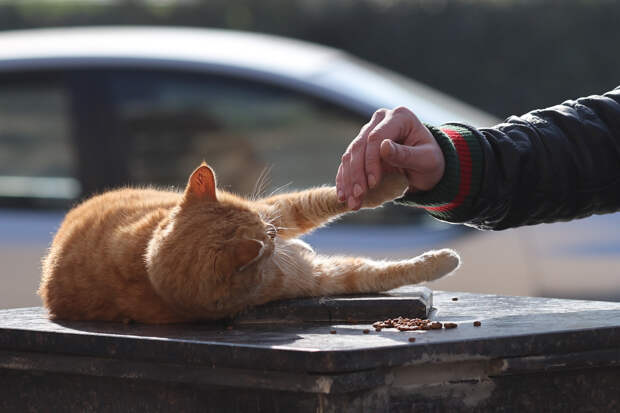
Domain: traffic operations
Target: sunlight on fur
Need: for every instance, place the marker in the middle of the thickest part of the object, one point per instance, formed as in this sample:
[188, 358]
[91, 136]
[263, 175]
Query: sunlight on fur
[157, 256]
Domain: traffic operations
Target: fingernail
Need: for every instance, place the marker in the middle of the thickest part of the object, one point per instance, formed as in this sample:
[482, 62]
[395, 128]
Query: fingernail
[351, 203]
[391, 148]
[372, 181]
[340, 196]
[357, 190]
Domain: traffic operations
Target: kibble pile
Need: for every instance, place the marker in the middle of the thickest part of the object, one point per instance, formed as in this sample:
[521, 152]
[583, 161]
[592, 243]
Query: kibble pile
[411, 324]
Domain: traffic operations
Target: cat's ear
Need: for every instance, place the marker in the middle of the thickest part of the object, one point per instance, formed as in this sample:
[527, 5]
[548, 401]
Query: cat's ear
[239, 255]
[202, 184]
[247, 252]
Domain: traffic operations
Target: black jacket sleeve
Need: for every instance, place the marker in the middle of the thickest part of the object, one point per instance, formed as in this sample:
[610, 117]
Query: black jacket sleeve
[553, 164]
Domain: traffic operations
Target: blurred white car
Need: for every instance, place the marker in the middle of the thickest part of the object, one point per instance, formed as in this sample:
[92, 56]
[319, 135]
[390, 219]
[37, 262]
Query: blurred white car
[85, 109]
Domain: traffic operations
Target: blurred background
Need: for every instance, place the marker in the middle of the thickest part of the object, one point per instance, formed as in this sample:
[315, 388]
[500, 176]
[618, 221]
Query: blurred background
[99, 94]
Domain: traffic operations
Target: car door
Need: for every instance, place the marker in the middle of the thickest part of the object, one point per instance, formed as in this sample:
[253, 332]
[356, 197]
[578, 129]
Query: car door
[39, 176]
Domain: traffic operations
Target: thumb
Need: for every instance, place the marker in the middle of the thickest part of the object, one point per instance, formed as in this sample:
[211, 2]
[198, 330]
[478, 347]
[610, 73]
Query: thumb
[397, 155]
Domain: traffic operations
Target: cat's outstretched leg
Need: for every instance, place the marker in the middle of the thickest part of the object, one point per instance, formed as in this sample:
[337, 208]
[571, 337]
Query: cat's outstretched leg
[296, 213]
[346, 275]
[299, 272]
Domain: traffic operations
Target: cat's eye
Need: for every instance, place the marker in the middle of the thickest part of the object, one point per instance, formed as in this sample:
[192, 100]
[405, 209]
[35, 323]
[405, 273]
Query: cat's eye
[271, 231]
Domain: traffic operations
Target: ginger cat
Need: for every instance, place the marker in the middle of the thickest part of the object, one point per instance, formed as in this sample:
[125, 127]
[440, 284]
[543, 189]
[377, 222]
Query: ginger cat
[164, 257]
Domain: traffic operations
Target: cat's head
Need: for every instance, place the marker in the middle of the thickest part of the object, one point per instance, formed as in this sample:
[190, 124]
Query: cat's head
[210, 249]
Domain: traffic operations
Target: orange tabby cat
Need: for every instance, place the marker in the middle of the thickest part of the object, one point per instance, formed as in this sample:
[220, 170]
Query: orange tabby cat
[163, 257]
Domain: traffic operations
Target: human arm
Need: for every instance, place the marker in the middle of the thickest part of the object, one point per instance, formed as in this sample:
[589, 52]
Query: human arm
[553, 164]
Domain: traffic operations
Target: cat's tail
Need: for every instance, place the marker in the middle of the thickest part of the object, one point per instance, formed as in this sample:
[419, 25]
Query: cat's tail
[347, 275]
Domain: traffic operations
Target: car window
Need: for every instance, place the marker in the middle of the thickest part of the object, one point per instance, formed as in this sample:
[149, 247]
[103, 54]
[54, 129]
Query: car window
[172, 122]
[37, 160]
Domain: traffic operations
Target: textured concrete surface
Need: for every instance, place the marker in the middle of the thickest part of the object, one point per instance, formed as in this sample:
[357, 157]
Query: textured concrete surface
[528, 353]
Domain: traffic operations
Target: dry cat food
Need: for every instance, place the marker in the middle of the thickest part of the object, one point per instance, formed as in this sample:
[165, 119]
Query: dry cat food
[477, 323]
[332, 331]
[411, 324]
[455, 298]
[366, 331]
[411, 339]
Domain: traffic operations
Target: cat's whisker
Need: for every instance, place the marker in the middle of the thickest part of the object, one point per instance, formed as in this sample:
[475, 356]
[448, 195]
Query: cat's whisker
[286, 260]
[284, 228]
[265, 217]
[257, 184]
[271, 219]
[280, 189]
[261, 183]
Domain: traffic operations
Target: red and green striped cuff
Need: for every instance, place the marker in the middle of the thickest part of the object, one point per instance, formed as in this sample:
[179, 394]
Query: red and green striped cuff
[452, 198]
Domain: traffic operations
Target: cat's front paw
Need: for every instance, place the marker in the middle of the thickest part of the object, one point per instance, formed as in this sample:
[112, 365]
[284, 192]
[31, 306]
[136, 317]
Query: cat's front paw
[392, 186]
[439, 263]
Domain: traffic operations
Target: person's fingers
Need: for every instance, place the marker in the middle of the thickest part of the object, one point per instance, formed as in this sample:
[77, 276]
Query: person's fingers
[423, 164]
[358, 157]
[339, 184]
[356, 173]
[353, 185]
[373, 160]
[400, 156]
[395, 126]
[346, 179]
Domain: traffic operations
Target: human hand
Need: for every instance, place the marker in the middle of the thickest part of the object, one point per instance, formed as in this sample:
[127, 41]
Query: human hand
[393, 141]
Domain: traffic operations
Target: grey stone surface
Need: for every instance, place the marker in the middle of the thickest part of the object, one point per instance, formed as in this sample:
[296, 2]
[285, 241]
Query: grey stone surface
[541, 352]
[511, 326]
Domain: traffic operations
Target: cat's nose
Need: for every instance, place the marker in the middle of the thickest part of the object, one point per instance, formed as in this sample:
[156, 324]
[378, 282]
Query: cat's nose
[272, 231]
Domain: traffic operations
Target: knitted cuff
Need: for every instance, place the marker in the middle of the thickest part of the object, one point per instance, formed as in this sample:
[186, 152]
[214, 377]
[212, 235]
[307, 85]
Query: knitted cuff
[452, 198]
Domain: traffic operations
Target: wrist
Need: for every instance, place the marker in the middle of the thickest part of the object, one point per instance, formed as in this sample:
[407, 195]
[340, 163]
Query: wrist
[452, 197]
